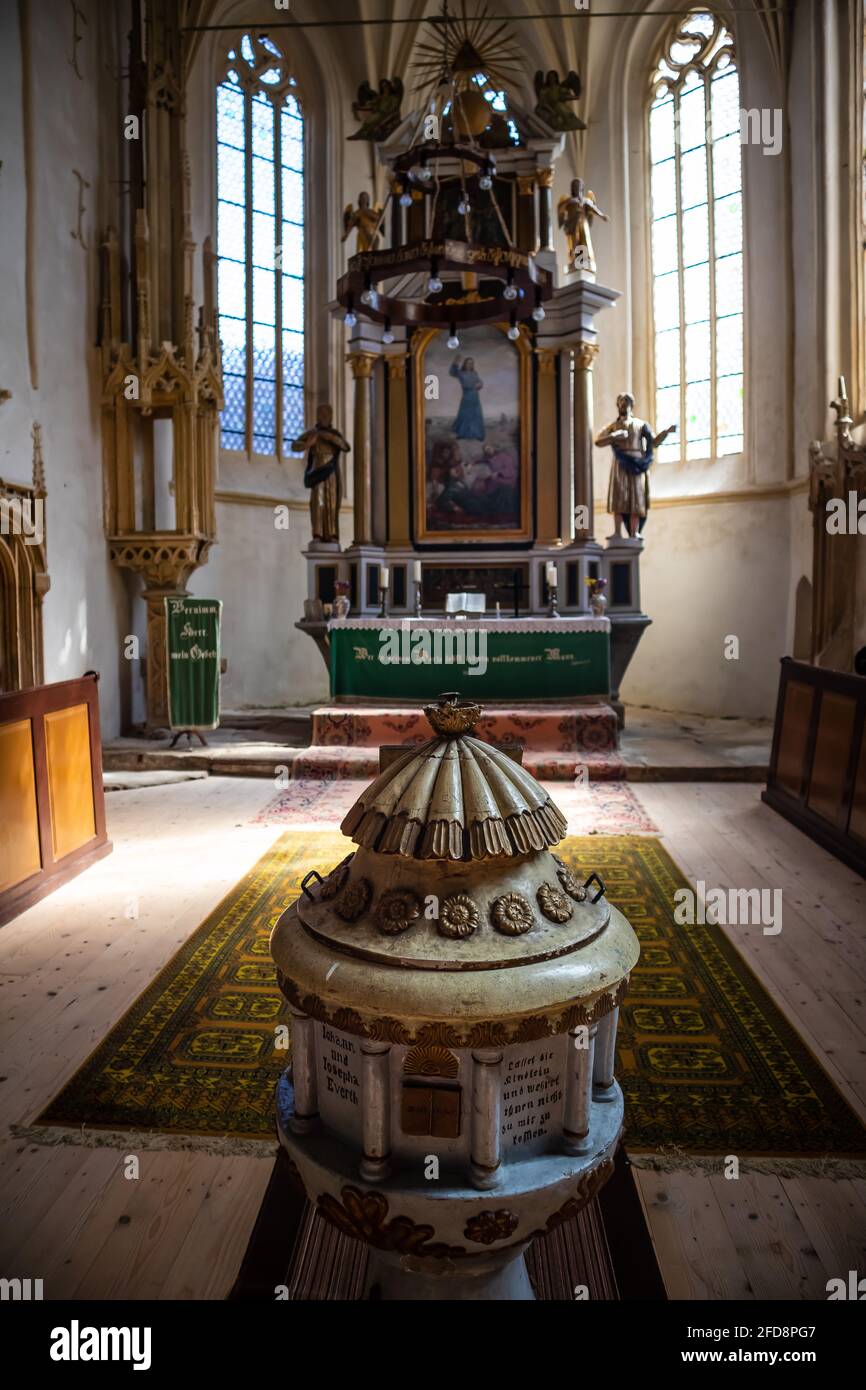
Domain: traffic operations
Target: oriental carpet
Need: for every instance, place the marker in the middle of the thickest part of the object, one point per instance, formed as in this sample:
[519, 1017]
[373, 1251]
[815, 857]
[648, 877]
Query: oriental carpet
[707, 1062]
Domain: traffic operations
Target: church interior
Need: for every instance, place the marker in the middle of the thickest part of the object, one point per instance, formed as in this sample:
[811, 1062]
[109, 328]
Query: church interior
[357, 361]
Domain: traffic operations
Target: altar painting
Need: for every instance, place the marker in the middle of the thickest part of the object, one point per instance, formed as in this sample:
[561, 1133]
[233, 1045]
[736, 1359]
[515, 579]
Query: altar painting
[472, 468]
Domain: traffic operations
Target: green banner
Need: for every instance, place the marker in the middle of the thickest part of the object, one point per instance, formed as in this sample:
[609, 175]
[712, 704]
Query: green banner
[192, 649]
[509, 665]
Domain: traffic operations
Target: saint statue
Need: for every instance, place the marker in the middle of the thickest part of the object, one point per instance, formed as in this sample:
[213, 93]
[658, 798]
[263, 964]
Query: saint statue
[633, 443]
[365, 219]
[322, 473]
[470, 417]
[575, 218]
[555, 98]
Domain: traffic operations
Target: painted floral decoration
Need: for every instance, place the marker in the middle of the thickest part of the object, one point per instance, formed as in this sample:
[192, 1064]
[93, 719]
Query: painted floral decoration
[553, 903]
[353, 900]
[458, 916]
[489, 1226]
[396, 910]
[512, 914]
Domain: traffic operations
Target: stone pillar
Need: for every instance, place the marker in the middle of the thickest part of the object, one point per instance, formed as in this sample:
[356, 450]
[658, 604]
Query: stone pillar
[546, 446]
[375, 1110]
[399, 471]
[545, 209]
[578, 1090]
[584, 356]
[486, 1119]
[304, 1080]
[362, 364]
[605, 1053]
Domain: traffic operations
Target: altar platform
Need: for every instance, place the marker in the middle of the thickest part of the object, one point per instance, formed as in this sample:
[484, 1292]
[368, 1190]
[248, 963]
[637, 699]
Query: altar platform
[500, 658]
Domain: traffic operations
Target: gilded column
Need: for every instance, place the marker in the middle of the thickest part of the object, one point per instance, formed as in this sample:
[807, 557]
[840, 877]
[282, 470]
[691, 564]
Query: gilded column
[375, 1110]
[398, 453]
[527, 215]
[584, 356]
[545, 209]
[578, 1088]
[486, 1136]
[362, 364]
[547, 452]
[304, 1073]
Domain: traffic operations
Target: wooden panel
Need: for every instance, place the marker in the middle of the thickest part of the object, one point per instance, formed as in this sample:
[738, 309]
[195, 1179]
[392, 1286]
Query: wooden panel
[70, 778]
[794, 736]
[857, 824]
[19, 821]
[832, 749]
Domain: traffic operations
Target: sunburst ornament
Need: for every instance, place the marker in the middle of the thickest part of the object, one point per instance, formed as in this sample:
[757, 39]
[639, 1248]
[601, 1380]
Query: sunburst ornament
[459, 47]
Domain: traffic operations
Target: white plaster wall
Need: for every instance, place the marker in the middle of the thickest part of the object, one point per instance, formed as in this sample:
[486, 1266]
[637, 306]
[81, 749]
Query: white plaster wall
[85, 609]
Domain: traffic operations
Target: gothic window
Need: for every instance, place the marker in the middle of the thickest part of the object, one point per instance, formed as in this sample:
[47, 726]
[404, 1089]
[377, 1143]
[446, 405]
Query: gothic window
[697, 241]
[260, 244]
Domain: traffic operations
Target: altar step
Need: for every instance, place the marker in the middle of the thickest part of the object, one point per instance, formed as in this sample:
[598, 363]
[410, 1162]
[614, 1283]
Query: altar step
[565, 728]
[559, 742]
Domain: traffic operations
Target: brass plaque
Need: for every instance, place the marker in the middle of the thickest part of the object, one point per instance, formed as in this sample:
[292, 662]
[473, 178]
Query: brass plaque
[416, 1110]
[446, 1112]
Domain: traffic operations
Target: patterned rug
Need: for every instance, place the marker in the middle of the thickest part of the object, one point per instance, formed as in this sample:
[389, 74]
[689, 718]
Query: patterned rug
[595, 808]
[707, 1062]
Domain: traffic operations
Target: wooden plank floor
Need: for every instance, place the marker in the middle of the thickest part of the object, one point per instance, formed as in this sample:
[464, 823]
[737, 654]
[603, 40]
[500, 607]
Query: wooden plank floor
[72, 964]
[760, 1236]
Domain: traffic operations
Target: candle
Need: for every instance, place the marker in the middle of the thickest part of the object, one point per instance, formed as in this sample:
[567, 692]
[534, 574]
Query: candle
[384, 576]
[551, 574]
[416, 571]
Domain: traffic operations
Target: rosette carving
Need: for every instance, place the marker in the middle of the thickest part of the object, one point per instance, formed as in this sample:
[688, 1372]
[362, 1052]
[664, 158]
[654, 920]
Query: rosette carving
[512, 914]
[396, 910]
[554, 904]
[458, 916]
[490, 1226]
[353, 899]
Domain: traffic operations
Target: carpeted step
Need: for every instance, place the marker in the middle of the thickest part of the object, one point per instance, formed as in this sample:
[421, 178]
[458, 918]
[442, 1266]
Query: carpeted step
[333, 763]
[551, 728]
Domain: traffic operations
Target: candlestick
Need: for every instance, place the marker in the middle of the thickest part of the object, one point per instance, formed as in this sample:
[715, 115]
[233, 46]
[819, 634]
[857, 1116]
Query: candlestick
[383, 595]
[417, 583]
[552, 610]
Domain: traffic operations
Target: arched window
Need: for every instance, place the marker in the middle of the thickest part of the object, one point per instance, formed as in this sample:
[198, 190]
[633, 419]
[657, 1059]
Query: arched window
[260, 244]
[697, 240]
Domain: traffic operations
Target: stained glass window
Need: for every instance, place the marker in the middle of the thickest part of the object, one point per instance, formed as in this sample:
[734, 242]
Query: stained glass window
[260, 244]
[697, 241]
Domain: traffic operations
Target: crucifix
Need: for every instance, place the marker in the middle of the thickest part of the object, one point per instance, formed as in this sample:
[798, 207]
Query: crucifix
[513, 590]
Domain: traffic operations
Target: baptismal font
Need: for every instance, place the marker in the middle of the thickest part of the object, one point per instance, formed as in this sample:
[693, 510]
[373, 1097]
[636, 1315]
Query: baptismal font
[455, 989]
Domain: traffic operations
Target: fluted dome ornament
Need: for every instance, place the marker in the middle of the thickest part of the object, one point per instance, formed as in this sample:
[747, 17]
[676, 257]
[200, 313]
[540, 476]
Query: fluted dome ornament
[455, 990]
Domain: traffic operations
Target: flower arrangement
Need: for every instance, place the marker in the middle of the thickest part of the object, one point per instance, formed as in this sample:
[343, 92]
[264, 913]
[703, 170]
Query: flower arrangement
[597, 597]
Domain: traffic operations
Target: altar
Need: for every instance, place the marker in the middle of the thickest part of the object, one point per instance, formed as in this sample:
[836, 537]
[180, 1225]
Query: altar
[517, 659]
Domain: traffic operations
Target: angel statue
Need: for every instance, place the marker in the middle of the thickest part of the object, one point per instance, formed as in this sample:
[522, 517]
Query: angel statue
[379, 112]
[633, 444]
[576, 212]
[555, 98]
[364, 219]
[325, 444]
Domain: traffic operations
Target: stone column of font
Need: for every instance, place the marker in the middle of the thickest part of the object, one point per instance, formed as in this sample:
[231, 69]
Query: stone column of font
[362, 364]
[486, 1125]
[304, 1073]
[584, 356]
[605, 1050]
[375, 1110]
[578, 1089]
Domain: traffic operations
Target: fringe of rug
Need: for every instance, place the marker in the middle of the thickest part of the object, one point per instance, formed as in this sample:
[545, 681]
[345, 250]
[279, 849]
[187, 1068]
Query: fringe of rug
[674, 1160]
[135, 1141]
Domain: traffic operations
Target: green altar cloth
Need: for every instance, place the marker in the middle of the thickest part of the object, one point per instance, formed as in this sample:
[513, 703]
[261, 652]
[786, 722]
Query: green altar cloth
[418, 658]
